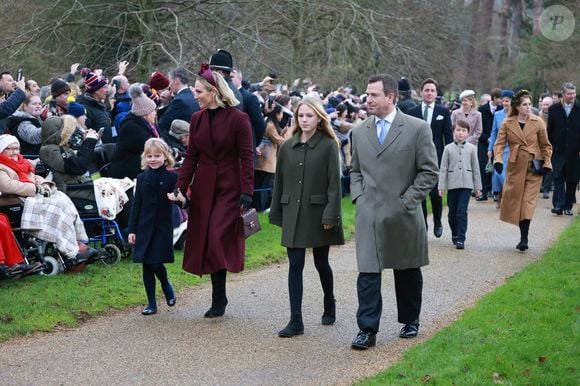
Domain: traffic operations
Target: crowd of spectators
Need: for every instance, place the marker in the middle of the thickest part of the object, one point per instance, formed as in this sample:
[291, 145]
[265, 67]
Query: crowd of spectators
[66, 121]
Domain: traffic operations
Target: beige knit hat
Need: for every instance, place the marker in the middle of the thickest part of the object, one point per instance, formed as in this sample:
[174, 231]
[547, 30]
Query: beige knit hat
[141, 104]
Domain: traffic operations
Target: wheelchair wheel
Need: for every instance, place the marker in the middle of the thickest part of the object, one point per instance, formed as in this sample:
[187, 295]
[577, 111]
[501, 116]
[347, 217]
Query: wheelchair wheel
[113, 254]
[53, 267]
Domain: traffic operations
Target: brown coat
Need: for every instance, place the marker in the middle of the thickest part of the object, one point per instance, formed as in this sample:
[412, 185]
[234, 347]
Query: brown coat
[269, 148]
[520, 191]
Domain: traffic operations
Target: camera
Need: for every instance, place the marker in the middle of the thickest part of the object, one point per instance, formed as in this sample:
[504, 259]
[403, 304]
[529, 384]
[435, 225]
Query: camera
[52, 107]
[19, 75]
[270, 101]
[76, 139]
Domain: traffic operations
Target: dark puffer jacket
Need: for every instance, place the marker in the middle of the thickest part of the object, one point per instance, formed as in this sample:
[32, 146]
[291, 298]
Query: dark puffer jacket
[97, 117]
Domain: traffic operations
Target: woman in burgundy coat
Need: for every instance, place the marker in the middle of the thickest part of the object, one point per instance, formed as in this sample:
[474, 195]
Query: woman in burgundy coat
[219, 169]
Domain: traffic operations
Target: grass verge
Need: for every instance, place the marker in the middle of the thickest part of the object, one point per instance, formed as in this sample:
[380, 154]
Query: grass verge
[524, 333]
[47, 303]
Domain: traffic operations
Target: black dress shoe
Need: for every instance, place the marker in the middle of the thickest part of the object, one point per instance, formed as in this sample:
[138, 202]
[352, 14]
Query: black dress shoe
[546, 195]
[149, 310]
[409, 330]
[568, 212]
[170, 296]
[364, 340]
[557, 211]
[483, 197]
[438, 230]
[522, 246]
[459, 245]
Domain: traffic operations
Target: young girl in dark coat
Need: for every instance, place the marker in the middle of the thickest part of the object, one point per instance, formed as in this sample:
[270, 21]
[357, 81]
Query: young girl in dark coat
[151, 223]
[306, 203]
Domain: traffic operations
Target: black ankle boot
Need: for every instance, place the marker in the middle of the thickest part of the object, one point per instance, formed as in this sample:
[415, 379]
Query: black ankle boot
[524, 230]
[329, 315]
[294, 327]
[219, 301]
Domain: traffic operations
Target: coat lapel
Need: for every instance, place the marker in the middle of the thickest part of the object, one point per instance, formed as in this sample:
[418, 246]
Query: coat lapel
[394, 131]
[513, 125]
[371, 131]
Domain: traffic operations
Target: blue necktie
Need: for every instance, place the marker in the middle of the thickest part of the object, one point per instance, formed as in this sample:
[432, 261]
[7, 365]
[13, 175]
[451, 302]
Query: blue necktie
[567, 108]
[382, 130]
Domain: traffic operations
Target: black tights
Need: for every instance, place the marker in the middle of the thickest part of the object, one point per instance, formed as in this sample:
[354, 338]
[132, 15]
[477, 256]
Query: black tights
[296, 256]
[149, 273]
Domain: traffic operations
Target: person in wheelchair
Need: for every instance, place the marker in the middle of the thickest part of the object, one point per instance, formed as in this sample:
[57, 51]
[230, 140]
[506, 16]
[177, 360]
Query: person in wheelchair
[11, 260]
[48, 214]
[68, 151]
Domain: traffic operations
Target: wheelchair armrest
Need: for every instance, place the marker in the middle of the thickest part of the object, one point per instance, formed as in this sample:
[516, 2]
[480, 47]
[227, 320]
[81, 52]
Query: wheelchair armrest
[79, 187]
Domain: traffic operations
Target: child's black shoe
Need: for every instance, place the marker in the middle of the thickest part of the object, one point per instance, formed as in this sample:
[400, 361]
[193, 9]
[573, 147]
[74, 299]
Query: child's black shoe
[149, 310]
[170, 295]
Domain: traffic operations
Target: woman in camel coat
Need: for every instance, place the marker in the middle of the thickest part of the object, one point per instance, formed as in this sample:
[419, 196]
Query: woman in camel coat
[527, 138]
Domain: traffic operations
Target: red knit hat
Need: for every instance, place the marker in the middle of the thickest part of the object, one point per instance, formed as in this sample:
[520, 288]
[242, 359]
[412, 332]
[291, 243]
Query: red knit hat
[158, 81]
[93, 82]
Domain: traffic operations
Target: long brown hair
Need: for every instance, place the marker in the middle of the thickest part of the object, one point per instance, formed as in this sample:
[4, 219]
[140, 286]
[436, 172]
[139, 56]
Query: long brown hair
[324, 124]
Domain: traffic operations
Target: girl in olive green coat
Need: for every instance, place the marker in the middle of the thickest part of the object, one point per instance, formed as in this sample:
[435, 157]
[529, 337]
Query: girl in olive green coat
[306, 204]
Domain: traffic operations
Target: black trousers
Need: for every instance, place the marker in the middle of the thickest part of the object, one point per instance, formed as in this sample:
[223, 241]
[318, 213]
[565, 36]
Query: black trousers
[436, 207]
[408, 292]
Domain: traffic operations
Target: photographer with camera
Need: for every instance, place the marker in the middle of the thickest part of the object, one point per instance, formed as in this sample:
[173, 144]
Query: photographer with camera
[12, 94]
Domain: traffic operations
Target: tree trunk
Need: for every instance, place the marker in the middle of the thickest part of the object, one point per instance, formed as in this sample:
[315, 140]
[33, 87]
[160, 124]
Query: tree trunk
[145, 53]
[516, 19]
[538, 9]
[503, 40]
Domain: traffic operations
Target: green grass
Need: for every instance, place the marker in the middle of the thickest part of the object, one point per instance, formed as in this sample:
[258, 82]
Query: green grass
[524, 333]
[41, 303]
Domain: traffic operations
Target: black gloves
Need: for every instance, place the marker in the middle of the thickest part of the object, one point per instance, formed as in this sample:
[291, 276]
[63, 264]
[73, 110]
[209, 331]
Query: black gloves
[498, 167]
[246, 201]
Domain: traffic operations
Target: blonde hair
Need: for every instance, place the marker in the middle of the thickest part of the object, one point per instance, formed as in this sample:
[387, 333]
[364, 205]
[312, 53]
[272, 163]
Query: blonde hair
[324, 124]
[224, 96]
[157, 144]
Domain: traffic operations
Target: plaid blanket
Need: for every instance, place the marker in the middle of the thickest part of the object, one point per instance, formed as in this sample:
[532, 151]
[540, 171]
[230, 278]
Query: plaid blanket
[54, 219]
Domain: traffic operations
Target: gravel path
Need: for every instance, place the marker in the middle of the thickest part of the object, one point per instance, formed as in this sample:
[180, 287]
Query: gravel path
[180, 347]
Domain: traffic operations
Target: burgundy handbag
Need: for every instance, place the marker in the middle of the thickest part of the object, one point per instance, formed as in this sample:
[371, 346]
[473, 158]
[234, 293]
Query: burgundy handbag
[250, 222]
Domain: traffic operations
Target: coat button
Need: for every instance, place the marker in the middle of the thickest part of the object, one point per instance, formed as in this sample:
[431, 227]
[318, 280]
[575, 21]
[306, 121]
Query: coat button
[300, 163]
[297, 200]
[300, 181]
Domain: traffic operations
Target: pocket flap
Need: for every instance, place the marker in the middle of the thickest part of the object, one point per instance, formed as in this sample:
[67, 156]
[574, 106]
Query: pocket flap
[318, 199]
[284, 199]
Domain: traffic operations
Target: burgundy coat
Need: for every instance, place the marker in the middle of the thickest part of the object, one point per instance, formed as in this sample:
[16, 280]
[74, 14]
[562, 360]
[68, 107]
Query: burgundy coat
[218, 167]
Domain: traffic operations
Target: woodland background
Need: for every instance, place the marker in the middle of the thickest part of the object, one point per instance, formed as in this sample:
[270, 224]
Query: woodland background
[478, 44]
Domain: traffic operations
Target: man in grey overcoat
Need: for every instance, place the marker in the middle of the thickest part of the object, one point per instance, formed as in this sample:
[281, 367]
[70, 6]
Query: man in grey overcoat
[394, 166]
